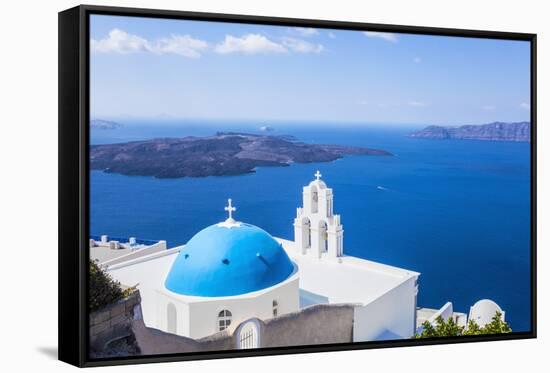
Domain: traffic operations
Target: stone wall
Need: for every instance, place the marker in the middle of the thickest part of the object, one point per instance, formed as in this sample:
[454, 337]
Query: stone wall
[113, 323]
[319, 324]
[119, 330]
[152, 341]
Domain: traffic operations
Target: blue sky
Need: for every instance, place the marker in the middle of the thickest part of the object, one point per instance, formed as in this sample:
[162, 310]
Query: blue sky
[157, 68]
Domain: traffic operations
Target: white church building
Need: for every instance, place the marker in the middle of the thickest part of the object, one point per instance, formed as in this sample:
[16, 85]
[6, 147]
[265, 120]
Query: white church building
[232, 271]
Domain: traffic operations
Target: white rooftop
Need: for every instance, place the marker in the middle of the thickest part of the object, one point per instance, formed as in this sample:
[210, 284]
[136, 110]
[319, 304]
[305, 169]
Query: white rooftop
[352, 280]
[104, 253]
[106, 256]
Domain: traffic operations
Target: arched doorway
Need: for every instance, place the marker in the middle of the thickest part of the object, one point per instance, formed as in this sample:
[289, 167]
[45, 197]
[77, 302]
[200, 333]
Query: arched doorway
[323, 237]
[171, 319]
[249, 336]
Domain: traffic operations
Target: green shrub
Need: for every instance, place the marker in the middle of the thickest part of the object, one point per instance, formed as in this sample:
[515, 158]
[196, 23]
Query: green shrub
[449, 328]
[103, 289]
[442, 328]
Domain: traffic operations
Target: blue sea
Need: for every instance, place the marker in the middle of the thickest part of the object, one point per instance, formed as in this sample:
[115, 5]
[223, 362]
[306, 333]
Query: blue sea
[456, 211]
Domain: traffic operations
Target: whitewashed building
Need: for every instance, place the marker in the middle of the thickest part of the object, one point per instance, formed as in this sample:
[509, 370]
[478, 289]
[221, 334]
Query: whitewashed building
[231, 272]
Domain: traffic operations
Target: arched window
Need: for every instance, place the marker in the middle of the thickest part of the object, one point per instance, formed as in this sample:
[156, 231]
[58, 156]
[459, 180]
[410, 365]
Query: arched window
[306, 233]
[171, 318]
[323, 237]
[224, 319]
[314, 200]
[275, 308]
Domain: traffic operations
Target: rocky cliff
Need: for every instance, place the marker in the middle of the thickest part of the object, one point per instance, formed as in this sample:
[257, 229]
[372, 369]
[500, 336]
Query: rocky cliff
[497, 131]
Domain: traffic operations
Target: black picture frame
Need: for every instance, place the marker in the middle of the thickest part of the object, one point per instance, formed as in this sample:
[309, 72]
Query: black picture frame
[74, 188]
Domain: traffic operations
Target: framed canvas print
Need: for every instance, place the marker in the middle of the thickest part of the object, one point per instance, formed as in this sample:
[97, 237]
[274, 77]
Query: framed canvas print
[233, 186]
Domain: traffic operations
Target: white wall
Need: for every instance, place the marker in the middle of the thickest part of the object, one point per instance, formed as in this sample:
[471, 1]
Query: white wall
[391, 316]
[201, 317]
[161, 301]
[150, 277]
[28, 155]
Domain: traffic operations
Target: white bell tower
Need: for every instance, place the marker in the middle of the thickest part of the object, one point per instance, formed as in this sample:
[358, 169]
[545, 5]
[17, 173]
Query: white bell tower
[317, 231]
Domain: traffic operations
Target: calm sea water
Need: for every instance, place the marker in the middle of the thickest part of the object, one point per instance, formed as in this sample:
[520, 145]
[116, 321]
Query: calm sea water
[456, 211]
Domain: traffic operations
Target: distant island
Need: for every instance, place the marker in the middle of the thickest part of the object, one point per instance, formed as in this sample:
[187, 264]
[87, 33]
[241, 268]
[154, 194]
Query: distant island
[496, 131]
[104, 124]
[226, 153]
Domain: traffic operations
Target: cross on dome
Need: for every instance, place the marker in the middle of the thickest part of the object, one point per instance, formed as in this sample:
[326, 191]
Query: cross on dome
[230, 222]
[230, 209]
[318, 175]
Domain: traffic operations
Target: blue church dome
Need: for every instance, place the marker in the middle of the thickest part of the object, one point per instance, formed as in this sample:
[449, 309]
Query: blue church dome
[226, 259]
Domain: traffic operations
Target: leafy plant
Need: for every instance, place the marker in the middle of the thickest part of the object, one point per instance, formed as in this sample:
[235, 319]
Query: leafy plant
[442, 328]
[473, 328]
[103, 290]
[449, 328]
[496, 326]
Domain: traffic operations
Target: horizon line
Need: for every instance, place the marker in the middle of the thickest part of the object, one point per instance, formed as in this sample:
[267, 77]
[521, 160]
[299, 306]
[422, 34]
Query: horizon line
[266, 122]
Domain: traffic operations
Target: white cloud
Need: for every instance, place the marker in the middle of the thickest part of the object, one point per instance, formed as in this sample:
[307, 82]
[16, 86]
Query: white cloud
[525, 105]
[183, 45]
[489, 107]
[302, 46]
[331, 35]
[306, 31]
[249, 44]
[119, 41]
[417, 60]
[387, 36]
[416, 103]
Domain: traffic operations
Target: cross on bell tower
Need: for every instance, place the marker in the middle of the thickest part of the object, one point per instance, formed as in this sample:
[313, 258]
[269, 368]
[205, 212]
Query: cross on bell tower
[318, 175]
